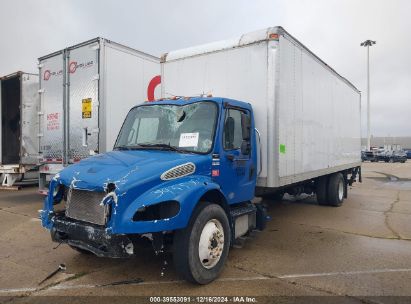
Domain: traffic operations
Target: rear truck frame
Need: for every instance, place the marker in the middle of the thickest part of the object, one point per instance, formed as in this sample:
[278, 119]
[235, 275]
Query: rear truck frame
[85, 93]
[184, 170]
[19, 104]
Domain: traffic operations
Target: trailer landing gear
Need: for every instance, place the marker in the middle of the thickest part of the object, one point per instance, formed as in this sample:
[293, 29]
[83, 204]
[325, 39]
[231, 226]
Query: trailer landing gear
[8, 180]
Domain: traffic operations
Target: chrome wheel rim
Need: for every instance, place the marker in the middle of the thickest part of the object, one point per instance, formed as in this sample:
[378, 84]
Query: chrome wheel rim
[211, 244]
[340, 190]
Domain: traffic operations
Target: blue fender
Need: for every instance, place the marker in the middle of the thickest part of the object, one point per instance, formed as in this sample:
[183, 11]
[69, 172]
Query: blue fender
[48, 205]
[187, 191]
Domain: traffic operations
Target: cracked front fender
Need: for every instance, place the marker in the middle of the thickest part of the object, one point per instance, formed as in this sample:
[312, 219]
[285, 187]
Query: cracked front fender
[187, 191]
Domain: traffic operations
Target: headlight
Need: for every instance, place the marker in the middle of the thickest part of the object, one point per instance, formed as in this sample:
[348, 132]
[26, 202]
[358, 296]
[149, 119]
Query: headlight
[58, 193]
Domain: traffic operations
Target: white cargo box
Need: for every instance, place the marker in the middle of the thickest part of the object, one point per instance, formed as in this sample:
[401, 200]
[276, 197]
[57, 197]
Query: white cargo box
[307, 114]
[19, 103]
[86, 91]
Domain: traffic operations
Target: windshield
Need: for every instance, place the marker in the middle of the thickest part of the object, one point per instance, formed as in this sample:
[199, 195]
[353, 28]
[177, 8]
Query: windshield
[175, 127]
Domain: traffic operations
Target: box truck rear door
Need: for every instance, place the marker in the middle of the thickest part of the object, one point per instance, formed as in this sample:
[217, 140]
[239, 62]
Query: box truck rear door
[51, 108]
[83, 69]
[10, 119]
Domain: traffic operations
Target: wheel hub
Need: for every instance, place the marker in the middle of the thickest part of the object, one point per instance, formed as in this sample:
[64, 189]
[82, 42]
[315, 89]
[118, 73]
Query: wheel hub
[211, 243]
[341, 190]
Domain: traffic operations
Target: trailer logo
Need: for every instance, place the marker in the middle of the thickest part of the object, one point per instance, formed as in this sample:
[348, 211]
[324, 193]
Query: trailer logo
[74, 65]
[47, 74]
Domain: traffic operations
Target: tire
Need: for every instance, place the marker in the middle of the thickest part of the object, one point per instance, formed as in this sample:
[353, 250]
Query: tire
[207, 220]
[335, 193]
[321, 190]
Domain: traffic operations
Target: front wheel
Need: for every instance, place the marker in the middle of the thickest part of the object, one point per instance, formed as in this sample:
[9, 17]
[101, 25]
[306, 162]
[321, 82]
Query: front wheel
[200, 250]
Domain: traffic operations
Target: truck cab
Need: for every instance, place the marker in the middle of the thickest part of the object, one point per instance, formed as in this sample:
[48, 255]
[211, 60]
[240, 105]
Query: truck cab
[182, 173]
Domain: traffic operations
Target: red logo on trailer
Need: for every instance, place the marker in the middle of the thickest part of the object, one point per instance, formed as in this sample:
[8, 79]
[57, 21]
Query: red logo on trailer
[46, 75]
[72, 67]
[152, 86]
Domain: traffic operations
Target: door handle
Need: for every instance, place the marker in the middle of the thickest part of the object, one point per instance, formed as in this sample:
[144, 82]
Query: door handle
[85, 137]
[230, 157]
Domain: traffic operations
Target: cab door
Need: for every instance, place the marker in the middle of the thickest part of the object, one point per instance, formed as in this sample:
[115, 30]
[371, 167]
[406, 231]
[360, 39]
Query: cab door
[237, 167]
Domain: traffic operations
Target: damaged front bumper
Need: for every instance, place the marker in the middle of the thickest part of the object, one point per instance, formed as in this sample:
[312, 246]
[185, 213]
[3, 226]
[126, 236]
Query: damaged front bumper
[92, 238]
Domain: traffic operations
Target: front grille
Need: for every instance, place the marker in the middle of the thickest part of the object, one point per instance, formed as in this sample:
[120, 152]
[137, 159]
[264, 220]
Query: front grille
[179, 171]
[85, 206]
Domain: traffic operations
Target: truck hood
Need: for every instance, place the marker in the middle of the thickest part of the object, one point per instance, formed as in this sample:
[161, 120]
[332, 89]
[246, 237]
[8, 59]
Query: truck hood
[126, 168]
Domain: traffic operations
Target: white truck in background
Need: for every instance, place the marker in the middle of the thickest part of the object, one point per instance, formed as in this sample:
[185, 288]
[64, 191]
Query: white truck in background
[86, 90]
[307, 115]
[19, 103]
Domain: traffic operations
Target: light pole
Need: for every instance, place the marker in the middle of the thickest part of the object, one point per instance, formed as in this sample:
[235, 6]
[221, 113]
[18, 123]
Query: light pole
[368, 43]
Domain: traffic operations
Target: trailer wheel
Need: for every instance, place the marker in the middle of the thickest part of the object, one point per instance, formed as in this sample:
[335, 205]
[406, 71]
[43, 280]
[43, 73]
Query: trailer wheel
[336, 190]
[200, 250]
[321, 190]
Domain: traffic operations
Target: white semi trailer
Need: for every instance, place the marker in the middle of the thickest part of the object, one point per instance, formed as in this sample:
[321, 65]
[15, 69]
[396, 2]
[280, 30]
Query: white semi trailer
[86, 91]
[307, 115]
[19, 103]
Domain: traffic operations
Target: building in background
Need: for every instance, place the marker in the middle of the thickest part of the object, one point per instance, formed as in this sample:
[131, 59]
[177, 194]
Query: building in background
[404, 142]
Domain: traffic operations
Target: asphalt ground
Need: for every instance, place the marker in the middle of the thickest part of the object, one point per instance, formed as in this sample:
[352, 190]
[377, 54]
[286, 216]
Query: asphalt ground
[360, 252]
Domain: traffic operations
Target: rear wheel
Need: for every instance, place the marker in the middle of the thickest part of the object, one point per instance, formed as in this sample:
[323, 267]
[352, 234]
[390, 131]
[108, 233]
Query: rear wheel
[335, 195]
[200, 250]
[321, 190]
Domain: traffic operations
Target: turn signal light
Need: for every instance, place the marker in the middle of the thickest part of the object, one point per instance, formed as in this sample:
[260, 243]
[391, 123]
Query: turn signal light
[273, 36]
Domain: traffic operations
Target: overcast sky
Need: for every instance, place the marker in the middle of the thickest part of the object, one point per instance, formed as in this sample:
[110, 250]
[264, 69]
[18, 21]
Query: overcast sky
[333, 29]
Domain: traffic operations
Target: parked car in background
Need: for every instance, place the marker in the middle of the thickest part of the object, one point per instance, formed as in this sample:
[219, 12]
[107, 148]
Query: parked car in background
[398, 156]
[408, 153]
[392, 156]
[368, 156]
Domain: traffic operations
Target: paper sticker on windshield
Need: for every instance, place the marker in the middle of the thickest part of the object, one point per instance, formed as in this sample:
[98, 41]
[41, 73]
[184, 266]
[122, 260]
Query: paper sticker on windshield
[188, 140]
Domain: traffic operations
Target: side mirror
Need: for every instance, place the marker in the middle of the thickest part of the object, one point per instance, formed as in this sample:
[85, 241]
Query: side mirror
[245, 147]
[245, 126]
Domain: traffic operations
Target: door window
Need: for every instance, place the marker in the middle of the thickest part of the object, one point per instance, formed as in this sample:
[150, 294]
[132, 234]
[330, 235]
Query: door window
[232, 136]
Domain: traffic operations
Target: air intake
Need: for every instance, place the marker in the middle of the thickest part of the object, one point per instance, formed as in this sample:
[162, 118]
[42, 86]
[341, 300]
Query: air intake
[178, 171]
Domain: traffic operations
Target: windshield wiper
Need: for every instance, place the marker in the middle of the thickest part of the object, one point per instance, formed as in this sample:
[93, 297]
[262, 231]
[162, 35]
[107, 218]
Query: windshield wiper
[164, 146]
[121, 148]
[134, 147]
